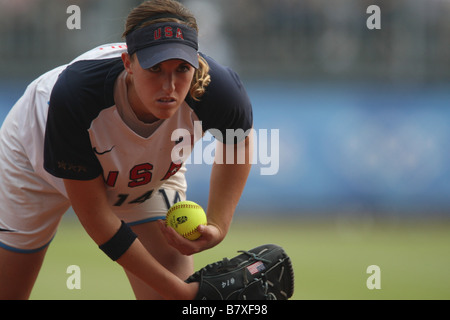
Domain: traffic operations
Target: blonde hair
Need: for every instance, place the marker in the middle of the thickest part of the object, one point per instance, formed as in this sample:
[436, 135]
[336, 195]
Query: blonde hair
[173, 8]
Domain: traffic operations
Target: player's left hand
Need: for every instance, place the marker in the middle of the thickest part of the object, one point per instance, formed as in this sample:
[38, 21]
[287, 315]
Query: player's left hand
[210, 237]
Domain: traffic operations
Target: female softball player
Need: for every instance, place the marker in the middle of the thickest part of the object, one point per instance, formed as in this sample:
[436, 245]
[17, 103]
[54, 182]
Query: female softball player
[97, 134]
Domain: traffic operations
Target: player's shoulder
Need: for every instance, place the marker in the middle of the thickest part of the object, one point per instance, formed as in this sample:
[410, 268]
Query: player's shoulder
[83, 75]
[225, 90]
[225, 103]
[95, 65]
[224, 80]
[85, 86]
[90, 77]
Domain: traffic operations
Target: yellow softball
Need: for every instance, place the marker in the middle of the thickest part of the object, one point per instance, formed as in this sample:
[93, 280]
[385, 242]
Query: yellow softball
[185, 217]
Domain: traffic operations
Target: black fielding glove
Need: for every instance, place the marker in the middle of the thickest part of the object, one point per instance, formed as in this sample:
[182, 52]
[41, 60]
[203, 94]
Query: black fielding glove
[263, 273]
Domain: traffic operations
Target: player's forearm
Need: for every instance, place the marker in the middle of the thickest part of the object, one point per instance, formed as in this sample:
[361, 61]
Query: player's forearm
[137, 260]
[227, 184]
[88, 200]
[90, 205]
[143, 265]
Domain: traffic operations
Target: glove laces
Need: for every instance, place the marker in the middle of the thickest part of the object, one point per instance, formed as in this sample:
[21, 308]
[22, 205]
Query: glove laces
[254, 256]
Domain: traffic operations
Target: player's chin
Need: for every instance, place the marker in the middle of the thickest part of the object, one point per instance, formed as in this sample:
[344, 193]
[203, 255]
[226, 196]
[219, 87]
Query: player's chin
[166, 110]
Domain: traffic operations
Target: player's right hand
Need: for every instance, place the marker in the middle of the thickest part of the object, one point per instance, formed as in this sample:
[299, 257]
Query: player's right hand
[210, 237]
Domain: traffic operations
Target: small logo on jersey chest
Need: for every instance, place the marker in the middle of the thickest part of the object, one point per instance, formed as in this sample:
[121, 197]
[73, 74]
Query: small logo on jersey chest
[102, 152]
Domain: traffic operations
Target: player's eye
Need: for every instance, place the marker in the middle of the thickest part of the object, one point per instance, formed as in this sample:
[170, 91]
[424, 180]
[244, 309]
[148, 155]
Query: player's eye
[155, 68]
[185, 67]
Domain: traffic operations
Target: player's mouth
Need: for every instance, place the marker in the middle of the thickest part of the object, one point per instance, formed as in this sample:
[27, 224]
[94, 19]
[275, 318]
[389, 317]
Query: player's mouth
[167, 100]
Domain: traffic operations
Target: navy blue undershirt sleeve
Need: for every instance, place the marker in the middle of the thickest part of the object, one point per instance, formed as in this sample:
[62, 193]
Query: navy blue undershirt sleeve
[225, 104]
[80, 93]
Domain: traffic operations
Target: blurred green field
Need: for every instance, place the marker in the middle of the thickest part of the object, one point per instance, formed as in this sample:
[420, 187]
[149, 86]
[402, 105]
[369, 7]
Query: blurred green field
[330, 259]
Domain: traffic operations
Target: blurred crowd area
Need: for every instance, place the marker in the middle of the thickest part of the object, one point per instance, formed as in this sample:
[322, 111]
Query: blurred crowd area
[301, 39]
[329, 38]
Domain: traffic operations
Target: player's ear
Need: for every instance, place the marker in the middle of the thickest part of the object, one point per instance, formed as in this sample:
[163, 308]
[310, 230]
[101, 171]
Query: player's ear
[127, 60]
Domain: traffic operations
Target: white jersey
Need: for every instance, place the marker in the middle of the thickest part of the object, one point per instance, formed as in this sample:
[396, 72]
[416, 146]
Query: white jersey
[86, 134]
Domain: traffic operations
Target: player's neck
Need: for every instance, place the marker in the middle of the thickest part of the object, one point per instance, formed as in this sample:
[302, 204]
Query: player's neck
[136, 103]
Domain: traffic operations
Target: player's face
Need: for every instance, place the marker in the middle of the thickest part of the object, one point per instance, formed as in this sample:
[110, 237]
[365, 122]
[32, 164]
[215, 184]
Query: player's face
[157, 92]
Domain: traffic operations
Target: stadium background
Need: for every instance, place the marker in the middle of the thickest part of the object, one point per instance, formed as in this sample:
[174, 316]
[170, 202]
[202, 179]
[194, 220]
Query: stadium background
[363, 173]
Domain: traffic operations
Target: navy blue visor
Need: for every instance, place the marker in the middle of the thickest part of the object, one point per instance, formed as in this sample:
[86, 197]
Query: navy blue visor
[159, 42]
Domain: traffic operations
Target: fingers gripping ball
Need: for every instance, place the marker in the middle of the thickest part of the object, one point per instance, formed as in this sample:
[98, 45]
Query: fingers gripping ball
[185, 217]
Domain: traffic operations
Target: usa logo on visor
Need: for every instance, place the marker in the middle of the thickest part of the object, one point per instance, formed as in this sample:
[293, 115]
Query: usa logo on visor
[169, 32]
[161, 33]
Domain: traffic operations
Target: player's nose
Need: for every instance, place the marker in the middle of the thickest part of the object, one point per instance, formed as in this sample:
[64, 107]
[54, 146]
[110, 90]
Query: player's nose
[168, 82]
